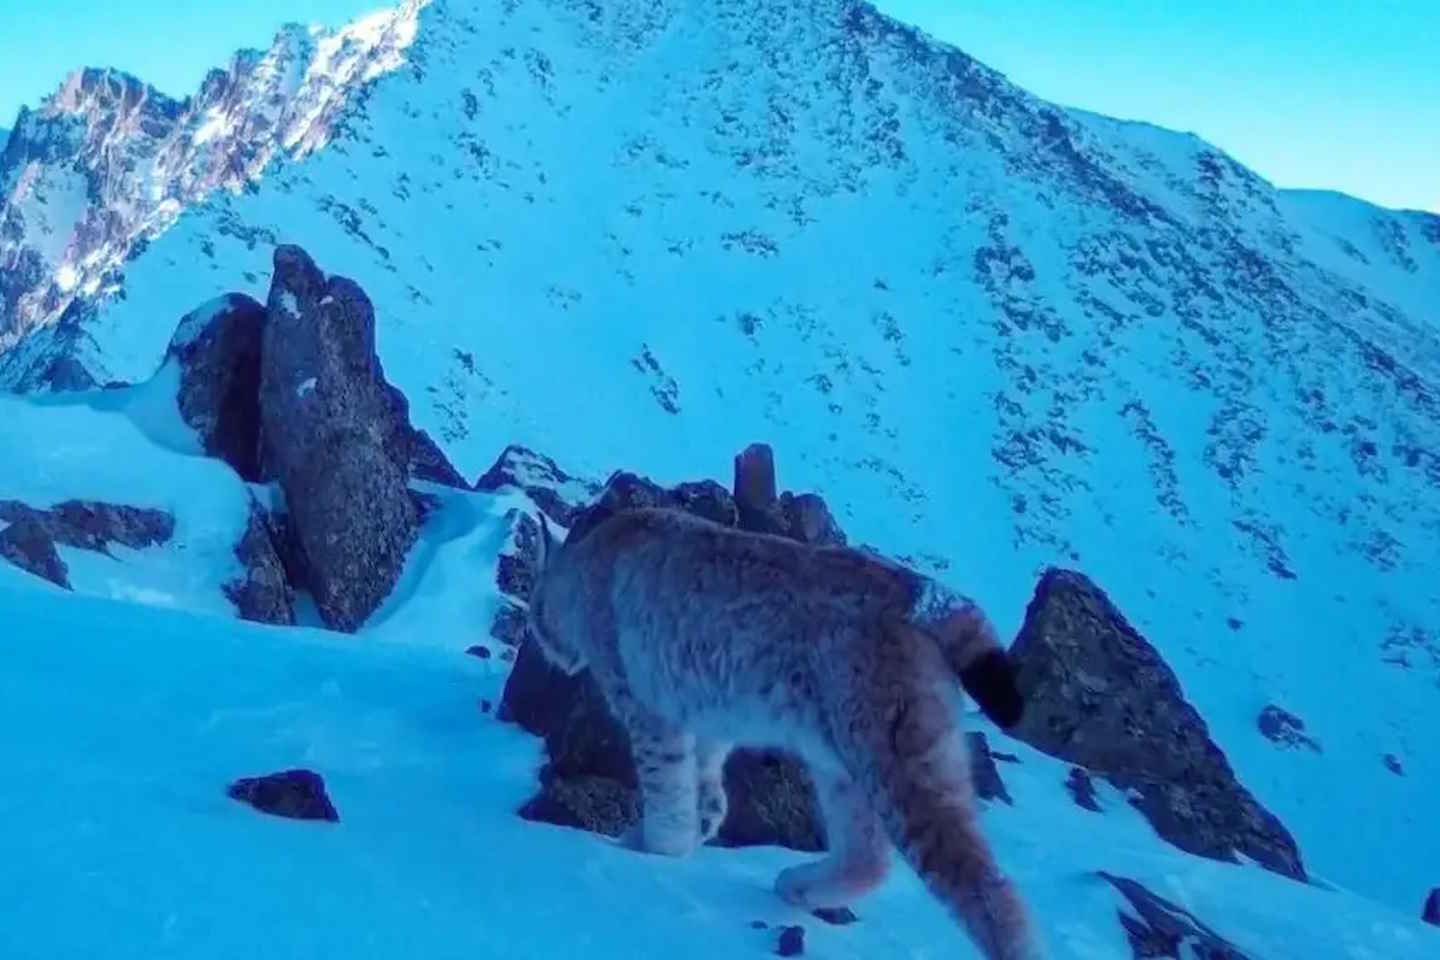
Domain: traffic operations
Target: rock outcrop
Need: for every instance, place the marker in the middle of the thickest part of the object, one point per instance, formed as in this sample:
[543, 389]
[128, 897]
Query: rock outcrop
[263, 592]
[1431, 912]
[332, 434]
[296, 794]
[1159, 928]
[29, 540]
[217, 349]
[1279, 725]
[590, 780]
[1099, 695]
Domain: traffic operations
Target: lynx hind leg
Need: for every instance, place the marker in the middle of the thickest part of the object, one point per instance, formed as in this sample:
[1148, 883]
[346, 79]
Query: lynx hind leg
[710, 786]
[859, 854]
[669, 815]
[918, 780]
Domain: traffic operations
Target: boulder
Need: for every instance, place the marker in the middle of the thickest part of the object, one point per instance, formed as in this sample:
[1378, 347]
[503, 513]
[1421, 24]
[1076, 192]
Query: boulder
[28, 545]
[984, 774]
[1082, 789]
[1431, 912]
[1156, 927]
[333, 435]
[296, 794]
[1279, 725]
[1099, 695]
[217, 349]
[263, 592]
[771, 797]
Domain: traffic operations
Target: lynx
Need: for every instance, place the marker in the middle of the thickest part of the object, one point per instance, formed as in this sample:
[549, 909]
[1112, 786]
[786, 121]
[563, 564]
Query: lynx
[702, 637]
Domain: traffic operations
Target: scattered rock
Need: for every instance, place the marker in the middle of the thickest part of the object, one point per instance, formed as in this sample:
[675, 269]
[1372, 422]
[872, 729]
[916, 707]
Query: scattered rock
[984, 775]
[597, 804]
[217, 347]
[559, 494]
[297, 794]
[772, 801]
[1082, 789]
[29, 542]
[28, 545]
[1159, 928]
[263, 593]
[792, 942]
[1283, 727]
[333, 434]
[1393, 764]
[1099, 695]
[478, 650]
[759, 925]
[1431, 913]
[771, 796]
[836, 916]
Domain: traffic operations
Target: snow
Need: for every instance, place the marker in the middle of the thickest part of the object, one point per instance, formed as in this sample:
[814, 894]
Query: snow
[137, 717]
[306, 387]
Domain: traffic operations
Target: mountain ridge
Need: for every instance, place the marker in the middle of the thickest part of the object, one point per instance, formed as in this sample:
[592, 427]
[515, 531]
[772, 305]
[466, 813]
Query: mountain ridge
[996, 334]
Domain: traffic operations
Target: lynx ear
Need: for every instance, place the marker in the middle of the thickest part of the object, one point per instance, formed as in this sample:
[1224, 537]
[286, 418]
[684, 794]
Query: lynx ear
[547, 546]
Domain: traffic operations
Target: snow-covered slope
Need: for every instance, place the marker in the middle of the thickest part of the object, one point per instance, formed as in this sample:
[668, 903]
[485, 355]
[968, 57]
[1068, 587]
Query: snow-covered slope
[135, 716]
[108, 162]
[994, 334]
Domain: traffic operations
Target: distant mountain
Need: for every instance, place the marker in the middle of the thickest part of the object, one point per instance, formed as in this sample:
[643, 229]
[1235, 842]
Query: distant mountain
[993, 332]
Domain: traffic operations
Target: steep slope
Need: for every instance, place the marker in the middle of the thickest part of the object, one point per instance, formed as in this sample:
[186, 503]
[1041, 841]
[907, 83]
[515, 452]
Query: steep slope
[139, 710]
[108, 162]
[995, 334]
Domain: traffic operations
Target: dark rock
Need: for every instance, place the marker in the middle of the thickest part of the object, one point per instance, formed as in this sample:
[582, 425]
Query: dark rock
[598, 804]
[1099, 695]
[1393, 764]
[1284, 728]
[1431, 913]
[759, 925]
[559, 494]
[91, 525]
[423, 458]
[485, 705]
[263, 593]
[1159, 928]
[771, 796]
[479, 650]
[297, 794]
[754, 486]
[332, 433]
[772, 802]
[984, 775]
[792, 942]
[836, 916]
[217, 347]
[28, 545]
[1082, 789]
[808, 519]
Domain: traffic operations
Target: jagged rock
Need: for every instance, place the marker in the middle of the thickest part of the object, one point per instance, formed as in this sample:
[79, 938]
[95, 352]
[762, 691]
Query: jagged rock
[1082, 789]
[1099, 695]
[1393, 764]
[92, 525]
[28, 545]
[755, 490]
[598, 804]
[772, 802]
[984, 774]
[263, 593]
[835, 916]
[807, 518]
[1431, 912]
[559, 494]
[332, 435]
[792, 942]
[298, 794]
[771, 797]
[1159, 928]
[217, 347]
[1283, 727]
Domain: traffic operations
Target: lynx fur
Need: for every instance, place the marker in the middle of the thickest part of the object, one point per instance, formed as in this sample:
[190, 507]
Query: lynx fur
[702, 637]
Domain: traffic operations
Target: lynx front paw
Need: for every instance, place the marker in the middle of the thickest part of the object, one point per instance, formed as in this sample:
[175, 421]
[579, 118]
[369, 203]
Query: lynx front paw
[794, 884]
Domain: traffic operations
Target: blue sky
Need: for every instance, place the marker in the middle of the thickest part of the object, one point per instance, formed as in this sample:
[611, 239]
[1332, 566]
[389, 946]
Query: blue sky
[1326, 93]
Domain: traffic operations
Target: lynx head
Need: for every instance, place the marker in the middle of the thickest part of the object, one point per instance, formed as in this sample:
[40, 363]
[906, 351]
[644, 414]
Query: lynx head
[548, 632]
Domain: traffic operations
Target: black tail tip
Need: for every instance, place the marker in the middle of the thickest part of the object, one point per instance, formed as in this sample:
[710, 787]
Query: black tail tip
[990, 681]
